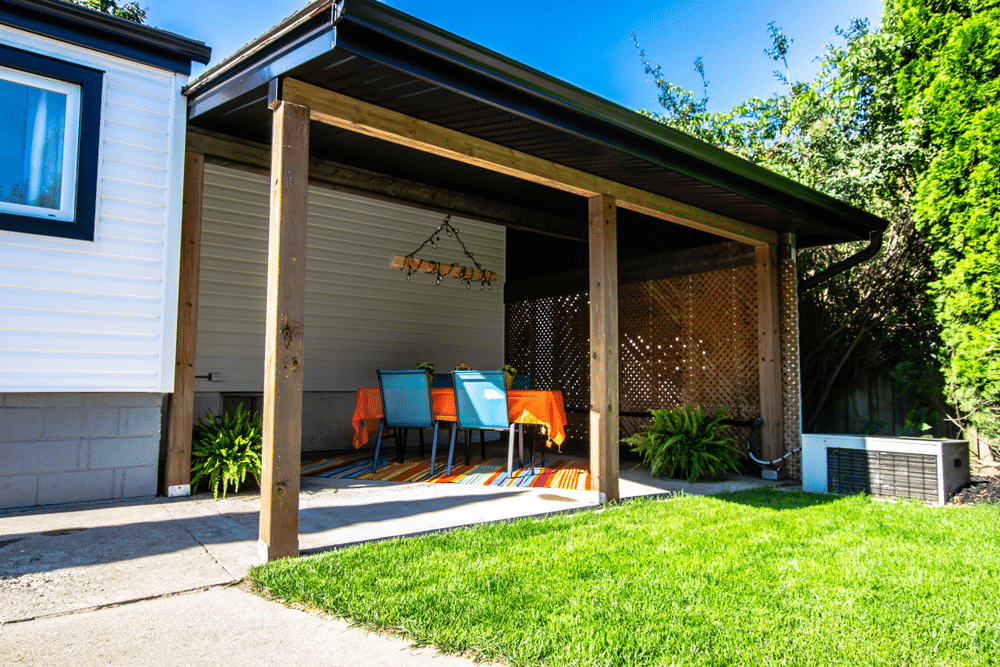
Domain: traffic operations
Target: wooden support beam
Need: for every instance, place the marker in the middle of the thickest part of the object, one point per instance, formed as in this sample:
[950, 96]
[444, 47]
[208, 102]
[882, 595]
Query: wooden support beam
[769, 345]
[283, 349]
[180, 414]
[345, 112]
[255, 157]
[604, 347]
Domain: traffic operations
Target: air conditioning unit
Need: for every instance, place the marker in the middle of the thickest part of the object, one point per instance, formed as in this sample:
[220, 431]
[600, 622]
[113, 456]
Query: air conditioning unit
[926, 469]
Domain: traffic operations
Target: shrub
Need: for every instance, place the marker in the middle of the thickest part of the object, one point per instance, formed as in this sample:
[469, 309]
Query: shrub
[686, 442]
[224, 449]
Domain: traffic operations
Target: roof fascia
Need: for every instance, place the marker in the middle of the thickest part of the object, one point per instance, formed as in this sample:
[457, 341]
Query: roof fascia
[304, 35]
[102, 32]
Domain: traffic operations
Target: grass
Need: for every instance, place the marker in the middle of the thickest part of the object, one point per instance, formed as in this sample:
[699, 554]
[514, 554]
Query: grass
[755, 578]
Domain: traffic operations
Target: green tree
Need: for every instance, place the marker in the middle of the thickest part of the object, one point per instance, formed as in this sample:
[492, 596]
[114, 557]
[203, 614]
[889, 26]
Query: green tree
[130, 11]
[948, 79]
[841, 134]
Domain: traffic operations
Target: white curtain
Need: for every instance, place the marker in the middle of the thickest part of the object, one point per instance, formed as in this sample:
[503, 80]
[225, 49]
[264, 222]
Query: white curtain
[32, 145]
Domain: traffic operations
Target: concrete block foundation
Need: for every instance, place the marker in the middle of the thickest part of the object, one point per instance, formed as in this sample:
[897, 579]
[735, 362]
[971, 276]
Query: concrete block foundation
[59, 448]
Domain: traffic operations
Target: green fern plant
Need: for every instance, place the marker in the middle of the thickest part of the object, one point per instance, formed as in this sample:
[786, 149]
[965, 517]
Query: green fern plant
[686, 442]
[224, 449]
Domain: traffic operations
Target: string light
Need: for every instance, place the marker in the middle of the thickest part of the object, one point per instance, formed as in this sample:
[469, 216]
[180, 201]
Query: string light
[437, 267]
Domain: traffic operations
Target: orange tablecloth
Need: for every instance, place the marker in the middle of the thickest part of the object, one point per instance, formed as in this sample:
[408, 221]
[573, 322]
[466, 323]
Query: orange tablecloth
[524, 406]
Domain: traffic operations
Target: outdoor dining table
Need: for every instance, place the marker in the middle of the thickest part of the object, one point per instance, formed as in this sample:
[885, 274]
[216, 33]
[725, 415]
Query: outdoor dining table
[524, 406]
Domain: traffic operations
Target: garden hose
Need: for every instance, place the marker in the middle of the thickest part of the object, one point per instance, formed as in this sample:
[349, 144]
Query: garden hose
[754, 427]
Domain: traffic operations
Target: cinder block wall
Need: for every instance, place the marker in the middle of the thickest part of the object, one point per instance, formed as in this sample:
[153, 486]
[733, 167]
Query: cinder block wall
[58, 448]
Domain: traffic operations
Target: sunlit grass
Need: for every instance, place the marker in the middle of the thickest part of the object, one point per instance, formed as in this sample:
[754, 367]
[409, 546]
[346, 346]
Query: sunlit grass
[755, 578]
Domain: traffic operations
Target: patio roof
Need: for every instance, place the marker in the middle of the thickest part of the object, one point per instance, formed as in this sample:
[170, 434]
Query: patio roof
[366, 51]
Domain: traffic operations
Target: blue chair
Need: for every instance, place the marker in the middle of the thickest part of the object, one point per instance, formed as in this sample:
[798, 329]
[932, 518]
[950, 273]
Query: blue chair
[481, 403]
[520, 381]
[406, 404]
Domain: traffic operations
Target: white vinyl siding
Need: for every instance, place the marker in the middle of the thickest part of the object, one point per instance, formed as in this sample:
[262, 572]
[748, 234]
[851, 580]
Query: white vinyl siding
[360, 313]
[85, 316]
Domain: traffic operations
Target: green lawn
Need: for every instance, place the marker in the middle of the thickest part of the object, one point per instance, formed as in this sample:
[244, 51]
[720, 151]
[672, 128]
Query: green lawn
[755, 578]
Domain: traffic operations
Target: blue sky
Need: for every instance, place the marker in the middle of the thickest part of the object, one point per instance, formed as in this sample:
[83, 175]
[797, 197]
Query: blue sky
[584, 42]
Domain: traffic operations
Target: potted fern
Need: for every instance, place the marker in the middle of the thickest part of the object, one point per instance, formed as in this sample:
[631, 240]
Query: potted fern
[225, 449]
[686, 442]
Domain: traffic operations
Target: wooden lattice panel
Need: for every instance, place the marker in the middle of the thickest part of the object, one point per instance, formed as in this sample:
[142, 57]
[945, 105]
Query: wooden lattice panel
[791, 394]
[688, 339]
[720, 334]
[550, 339]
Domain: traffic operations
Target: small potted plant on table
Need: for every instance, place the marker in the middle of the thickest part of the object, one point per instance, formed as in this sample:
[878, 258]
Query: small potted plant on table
[427, 367]
[508, 375]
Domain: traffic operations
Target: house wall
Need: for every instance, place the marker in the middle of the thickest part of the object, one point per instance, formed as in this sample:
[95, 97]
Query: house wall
[88, 327]
[100, 316]
[68, 447]
[361, 314]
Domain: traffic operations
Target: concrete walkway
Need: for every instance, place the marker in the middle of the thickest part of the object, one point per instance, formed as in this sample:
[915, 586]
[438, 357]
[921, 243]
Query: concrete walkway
[153, 581]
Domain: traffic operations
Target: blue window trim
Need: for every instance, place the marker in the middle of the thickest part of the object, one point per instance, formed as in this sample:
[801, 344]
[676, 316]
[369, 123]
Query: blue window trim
[91, 84]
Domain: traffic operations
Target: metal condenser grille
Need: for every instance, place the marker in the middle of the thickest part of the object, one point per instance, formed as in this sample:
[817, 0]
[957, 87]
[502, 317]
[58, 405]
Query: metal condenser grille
[882, 474]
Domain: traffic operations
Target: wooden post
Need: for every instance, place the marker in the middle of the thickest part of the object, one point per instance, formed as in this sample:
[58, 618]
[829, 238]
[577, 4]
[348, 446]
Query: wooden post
[769, 345]
[604, 346]
[283, 360]
[180, 414]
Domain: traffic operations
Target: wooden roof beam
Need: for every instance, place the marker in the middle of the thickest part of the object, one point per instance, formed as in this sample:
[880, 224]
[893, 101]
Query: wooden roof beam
[337, 110]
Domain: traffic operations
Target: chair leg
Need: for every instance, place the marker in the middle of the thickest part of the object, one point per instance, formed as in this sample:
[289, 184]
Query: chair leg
[541, 445]
[421, 443]
[482, 443]
[531, 449]
[451, 447]
[510, 452]
[520, 439]
[401, 444]
[434, 447]
[468, 439]
[378, 444]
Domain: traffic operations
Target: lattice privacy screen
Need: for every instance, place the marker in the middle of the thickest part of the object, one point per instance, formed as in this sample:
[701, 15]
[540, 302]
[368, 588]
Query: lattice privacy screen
[687, 339]
[791, 390]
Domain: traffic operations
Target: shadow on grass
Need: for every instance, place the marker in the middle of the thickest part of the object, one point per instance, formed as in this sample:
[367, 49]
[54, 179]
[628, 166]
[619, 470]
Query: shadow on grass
[778, 500]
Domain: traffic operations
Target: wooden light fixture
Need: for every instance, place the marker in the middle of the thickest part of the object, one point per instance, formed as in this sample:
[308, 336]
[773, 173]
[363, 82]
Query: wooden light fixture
[466, 274]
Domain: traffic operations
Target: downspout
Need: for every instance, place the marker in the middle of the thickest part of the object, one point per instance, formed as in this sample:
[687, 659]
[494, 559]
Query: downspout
[874, 245]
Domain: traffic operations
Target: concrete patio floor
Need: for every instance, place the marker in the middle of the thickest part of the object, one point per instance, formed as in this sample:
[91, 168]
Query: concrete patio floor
[69, 570]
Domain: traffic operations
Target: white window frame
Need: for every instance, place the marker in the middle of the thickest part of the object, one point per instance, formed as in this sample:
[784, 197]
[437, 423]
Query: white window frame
[71, 146]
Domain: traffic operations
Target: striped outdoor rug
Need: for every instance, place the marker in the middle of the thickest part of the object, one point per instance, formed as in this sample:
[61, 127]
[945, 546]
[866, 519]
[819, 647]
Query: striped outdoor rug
[557, 473]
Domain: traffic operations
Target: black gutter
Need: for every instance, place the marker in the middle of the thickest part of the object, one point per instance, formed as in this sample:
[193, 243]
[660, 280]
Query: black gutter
[103, 32]
[306, 34]
[863, 255]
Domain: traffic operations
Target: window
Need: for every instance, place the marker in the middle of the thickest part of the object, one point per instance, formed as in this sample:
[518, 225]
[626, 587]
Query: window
[38, 145]
[48, 145]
